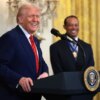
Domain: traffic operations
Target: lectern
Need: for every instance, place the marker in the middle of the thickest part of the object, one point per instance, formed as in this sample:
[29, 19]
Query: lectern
[63, 86]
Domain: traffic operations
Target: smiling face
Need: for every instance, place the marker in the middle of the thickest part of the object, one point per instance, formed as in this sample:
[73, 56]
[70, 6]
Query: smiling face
[71, 25]
[29, 18]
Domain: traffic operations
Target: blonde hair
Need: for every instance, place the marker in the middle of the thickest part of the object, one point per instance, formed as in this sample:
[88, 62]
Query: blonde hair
[24, 7]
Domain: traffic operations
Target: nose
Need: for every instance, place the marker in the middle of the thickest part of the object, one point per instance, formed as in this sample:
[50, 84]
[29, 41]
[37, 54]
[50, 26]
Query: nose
[74, 26]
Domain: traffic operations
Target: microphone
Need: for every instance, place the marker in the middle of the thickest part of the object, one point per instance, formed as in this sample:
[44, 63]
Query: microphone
[63, 37]
[58, 34]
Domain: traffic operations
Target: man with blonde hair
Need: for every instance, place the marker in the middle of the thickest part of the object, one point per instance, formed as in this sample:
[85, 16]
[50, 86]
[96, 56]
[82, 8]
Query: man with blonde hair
[21, 61]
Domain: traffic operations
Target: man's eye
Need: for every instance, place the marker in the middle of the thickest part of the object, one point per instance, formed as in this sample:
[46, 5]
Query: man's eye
[33, 16]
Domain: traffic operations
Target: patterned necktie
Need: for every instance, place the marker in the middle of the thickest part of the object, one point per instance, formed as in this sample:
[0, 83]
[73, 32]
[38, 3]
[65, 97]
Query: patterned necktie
[33, 45]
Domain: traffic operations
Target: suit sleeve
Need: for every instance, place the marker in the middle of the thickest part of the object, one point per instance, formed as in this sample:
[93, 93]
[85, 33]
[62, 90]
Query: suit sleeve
[7, 75]
[55, 60]
[90, 61]
[44, 65]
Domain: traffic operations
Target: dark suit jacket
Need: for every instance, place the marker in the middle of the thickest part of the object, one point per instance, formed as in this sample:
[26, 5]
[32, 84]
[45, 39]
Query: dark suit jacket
[62, 60]
[17, 60]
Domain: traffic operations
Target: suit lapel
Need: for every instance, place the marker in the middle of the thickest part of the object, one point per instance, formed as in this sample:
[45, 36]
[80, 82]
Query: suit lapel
[80, 58]
[26, 45]
[67, 52]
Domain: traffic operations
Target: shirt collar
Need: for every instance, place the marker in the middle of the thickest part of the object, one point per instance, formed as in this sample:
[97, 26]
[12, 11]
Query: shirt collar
[25, 32]
[76, 38]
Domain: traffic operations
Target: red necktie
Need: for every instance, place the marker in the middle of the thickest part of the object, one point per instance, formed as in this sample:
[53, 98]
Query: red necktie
[33, 45]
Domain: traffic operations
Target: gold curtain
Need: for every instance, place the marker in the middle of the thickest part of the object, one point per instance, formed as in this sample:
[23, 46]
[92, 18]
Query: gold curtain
[88, 12]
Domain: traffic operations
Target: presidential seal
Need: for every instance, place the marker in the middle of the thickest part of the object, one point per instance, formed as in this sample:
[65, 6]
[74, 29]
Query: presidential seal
[91, 79]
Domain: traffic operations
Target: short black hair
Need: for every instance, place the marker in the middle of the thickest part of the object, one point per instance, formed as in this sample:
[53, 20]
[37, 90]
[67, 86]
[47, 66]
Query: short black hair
[71, 16]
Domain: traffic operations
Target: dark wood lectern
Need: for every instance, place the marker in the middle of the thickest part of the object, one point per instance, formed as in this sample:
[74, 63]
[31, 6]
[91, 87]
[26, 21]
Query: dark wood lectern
[63, 86]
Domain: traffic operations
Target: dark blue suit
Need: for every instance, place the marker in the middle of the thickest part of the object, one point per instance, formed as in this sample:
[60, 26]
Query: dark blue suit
[17, 60]
[62, 60]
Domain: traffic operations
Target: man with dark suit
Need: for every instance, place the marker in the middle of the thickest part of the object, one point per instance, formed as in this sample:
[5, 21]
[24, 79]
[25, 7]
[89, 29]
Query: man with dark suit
[20, 65]
[67, 58]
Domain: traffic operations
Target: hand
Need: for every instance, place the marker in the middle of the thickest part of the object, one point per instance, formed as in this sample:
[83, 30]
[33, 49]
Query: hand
[26, 84]
[43, 75]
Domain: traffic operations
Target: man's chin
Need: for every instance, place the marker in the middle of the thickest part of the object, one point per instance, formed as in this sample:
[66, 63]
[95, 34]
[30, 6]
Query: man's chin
[74, 35]
[33, 30]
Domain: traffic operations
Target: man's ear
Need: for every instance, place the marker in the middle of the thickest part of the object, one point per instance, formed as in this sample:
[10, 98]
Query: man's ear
[20, 19]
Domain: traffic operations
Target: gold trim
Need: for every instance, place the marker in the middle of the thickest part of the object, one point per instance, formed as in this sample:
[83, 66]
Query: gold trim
[91, 84]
